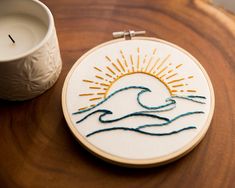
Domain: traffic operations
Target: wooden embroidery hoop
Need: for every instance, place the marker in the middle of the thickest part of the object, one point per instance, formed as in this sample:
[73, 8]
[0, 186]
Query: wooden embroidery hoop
[136, 162]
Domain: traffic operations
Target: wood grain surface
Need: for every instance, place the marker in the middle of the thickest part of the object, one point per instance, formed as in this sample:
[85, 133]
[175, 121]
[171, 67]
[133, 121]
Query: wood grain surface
[36, 146]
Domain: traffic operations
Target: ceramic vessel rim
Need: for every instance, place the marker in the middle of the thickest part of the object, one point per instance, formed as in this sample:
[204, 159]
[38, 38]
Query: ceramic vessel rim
[43, 41]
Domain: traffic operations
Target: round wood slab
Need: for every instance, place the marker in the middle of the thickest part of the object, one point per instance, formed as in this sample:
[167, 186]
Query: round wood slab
[36, 145]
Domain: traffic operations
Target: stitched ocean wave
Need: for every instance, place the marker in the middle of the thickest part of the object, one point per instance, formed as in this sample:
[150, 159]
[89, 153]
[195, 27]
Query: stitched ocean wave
[153, 112]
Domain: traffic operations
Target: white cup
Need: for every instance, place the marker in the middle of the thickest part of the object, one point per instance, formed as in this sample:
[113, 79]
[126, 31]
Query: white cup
[30, 60]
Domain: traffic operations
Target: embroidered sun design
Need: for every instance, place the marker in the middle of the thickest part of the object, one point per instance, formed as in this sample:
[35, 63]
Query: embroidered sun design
[127, 64]
[138, 99]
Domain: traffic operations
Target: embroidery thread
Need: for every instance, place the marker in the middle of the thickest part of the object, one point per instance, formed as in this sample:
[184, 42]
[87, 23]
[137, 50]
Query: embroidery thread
[170, 103]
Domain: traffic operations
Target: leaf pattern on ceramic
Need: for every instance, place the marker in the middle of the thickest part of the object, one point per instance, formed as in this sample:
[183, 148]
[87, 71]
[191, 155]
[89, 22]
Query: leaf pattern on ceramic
[30, 76]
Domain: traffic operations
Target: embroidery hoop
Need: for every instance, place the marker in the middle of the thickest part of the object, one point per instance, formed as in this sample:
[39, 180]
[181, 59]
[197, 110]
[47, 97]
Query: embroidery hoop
[139, 163]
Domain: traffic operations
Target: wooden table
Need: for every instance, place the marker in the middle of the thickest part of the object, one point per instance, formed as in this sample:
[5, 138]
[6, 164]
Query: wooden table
[37, 148]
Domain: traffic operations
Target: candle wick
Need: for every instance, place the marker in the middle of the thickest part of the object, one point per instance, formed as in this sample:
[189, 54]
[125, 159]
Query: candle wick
[11, 39]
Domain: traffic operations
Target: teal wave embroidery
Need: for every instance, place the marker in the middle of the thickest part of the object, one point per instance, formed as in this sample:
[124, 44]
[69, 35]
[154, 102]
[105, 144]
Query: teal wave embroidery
[170, 104]
[140, 131]
[108, 112]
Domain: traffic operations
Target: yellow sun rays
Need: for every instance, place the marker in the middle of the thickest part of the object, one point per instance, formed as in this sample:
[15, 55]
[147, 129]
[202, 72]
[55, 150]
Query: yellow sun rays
[159, 68]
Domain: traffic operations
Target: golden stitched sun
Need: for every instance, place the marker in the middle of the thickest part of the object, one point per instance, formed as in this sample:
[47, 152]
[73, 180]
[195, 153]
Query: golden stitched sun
[160, 68]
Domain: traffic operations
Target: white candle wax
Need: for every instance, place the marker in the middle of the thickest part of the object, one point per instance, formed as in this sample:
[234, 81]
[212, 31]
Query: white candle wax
[26, 31]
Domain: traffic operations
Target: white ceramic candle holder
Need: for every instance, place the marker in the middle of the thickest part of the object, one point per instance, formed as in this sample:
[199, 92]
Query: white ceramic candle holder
[30, 62]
